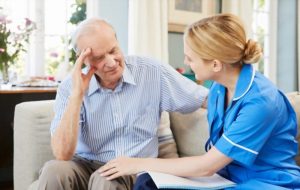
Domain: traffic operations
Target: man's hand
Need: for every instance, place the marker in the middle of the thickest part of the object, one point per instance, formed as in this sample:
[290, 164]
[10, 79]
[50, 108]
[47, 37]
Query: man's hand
[119, 167]
[204, 104]
[80, 81]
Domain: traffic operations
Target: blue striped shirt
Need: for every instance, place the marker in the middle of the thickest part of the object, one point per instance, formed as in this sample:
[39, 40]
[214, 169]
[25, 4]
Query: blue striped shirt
[124, 121]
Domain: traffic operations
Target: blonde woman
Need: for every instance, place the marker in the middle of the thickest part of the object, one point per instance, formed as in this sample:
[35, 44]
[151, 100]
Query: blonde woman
[252, 124]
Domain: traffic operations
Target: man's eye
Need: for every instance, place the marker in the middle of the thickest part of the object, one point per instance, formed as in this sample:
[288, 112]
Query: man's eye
[113, 51]
[98, 58]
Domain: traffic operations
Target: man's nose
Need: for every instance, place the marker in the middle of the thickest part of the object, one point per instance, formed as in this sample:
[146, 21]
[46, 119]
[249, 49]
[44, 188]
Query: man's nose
[109, 61]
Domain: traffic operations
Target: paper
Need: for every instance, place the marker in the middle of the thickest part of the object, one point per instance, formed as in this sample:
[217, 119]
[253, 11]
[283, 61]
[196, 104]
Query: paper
[163, 181]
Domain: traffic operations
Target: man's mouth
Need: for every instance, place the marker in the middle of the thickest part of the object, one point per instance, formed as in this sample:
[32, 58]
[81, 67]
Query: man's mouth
[113, 70]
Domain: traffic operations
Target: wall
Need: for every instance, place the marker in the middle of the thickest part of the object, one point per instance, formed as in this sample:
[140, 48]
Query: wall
[176, 55]
[116, 13]
[287, 46]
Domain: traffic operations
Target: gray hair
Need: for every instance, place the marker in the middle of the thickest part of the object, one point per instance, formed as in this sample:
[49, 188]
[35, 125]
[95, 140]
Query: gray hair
[84, 26]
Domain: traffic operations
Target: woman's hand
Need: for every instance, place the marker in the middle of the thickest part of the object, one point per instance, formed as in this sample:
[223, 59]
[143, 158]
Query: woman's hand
[80, 81]
[119, 167]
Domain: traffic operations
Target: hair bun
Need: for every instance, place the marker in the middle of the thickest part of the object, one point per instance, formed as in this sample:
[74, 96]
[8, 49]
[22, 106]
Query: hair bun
[252, 52]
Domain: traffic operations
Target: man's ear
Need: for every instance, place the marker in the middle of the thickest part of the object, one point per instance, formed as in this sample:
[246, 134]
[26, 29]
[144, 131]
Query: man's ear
[217, 65]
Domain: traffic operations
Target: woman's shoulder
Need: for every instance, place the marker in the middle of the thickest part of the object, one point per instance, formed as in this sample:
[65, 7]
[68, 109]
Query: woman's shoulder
[264, 92]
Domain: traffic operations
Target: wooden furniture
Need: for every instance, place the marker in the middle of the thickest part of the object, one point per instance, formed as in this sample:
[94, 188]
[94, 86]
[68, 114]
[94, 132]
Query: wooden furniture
[8, 99]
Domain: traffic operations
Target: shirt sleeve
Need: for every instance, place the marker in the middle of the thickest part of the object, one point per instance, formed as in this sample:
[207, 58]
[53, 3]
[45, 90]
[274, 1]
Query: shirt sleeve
[61, 101]
[179, 93]
[249, 132]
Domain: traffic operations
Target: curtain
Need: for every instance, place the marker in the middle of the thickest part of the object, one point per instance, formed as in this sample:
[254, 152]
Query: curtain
[148, 28]
[241, 8]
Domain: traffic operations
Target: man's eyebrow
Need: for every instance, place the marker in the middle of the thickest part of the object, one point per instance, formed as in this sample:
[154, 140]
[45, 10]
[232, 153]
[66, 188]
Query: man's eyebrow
[113, 49]
[98, 57]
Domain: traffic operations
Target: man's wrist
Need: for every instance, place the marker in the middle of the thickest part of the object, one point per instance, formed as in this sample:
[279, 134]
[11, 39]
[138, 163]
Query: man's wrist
[76, 97]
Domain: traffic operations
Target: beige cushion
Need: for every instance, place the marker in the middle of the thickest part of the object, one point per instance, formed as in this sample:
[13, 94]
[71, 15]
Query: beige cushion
[34, 185]
[294, 98]
[31, 140]
[167, 145]
[190, 132]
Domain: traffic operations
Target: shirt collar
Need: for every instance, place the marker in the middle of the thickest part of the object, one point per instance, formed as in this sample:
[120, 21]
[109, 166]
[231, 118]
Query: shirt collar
[127, 78]
[244, 82]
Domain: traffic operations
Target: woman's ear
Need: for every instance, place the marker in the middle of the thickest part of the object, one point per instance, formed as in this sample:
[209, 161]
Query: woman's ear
[217, 65]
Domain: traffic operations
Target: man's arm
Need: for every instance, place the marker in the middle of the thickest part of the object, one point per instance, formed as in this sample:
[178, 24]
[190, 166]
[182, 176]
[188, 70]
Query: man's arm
[204, 104]
[64, 139]
[179, 94]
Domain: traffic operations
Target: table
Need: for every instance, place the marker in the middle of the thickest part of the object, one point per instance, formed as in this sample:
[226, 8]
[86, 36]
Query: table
[8, 99]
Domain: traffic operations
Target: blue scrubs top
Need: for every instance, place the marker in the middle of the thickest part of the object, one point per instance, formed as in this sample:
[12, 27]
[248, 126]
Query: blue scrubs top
[257, 130]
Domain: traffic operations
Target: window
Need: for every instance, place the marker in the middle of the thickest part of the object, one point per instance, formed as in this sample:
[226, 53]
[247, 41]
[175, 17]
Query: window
[264, 29]
[49, 46]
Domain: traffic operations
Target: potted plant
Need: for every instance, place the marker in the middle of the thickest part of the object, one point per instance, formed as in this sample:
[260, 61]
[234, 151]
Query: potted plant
[13, 39]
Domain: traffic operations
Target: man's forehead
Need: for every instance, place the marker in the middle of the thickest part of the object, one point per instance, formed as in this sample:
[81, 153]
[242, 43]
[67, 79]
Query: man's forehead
[97, 48]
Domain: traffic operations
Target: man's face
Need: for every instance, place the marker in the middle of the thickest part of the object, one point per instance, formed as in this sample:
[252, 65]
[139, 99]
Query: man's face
[106, 56]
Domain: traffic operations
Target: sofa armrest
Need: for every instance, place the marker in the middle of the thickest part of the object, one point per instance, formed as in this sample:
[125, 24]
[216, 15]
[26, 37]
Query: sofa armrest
[294, 98]
[31, 140]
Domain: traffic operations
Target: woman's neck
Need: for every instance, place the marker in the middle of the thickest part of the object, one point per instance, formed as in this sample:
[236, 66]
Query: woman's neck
[229, 78]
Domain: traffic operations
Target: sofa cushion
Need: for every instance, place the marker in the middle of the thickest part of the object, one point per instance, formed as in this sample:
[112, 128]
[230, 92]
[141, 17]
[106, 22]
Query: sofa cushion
[294, 98]
[167, 145]
[31, 140]
[190, 132]
[34, 185]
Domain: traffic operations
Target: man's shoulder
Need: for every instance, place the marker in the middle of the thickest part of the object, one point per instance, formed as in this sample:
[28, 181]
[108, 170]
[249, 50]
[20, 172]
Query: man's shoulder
[140, 61]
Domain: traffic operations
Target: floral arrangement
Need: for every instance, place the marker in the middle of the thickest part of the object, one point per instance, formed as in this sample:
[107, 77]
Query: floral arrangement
[13, 39]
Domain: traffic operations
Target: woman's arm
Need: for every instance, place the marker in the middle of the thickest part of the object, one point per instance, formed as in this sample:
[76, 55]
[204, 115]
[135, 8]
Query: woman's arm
[196, 166]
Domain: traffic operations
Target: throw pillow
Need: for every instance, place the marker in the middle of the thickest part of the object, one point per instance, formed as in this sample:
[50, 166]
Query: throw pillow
[190, 132]
[167, 145]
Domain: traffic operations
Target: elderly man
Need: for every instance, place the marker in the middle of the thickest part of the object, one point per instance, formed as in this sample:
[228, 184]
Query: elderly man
[110, 108]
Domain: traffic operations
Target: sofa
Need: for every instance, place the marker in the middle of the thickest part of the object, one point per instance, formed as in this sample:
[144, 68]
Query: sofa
[32, 138]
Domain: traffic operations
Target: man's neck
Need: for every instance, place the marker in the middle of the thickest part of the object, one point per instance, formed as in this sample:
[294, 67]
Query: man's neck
[109, 85]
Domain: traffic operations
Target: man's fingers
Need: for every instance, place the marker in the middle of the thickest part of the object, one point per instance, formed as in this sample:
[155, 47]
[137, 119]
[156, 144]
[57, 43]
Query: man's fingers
[82, 56]
[90, 73]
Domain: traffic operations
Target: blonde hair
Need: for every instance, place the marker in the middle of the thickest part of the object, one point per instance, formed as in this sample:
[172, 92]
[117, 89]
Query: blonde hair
[222, 37]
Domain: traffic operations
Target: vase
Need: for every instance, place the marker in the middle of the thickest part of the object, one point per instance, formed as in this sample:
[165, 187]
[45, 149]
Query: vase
[5, 75]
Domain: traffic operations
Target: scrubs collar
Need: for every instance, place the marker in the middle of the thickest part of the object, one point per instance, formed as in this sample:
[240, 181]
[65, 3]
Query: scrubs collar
[244, 82]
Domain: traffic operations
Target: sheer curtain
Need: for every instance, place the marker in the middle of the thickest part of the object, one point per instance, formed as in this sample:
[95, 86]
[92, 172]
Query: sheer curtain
[243, 9]
[148, 35]
[148, 28]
